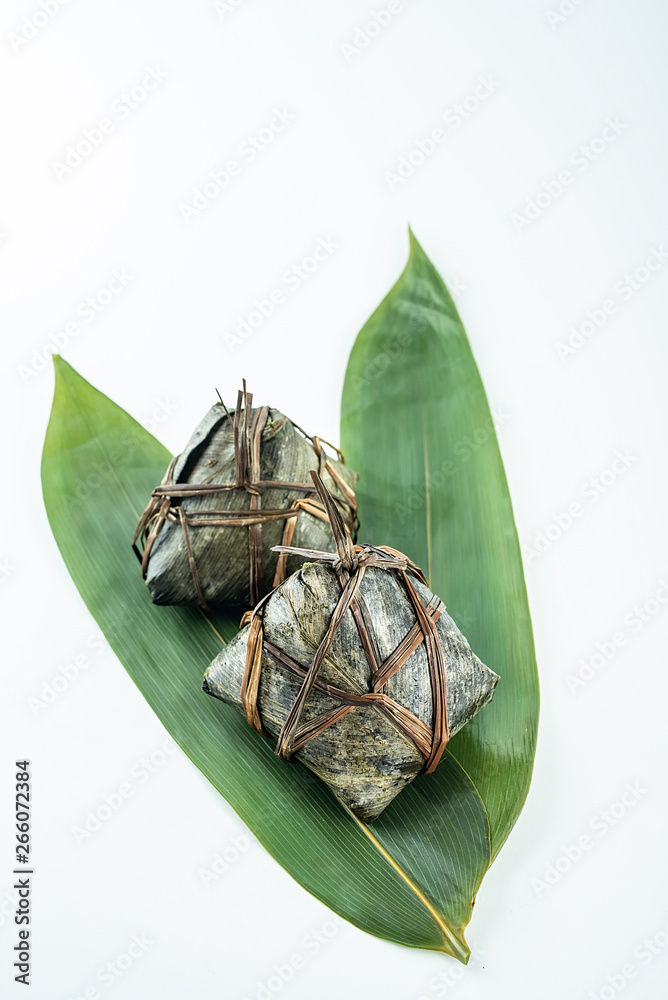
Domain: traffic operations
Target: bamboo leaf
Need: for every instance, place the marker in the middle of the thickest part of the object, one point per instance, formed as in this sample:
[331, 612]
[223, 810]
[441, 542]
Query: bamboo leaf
[416, 423]
[412, 877]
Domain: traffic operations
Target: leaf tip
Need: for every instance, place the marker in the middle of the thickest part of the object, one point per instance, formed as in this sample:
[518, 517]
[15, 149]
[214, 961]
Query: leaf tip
[60, 366]
[66, 375]
[458, 948]
[415, 247]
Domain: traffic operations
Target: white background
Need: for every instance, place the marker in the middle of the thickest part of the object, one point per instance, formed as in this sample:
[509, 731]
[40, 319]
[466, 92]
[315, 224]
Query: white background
[159, 349]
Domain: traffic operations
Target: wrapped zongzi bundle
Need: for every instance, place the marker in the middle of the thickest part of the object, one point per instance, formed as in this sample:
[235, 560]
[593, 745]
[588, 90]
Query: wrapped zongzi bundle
[241, 487]
[355, 668]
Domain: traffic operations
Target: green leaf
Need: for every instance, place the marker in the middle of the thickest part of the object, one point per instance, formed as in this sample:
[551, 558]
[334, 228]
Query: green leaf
[412, 877]
[416, 424]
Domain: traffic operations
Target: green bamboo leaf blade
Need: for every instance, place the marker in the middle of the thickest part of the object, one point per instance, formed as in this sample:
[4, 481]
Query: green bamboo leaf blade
[407, 881]
[458, 824]
[416, 421]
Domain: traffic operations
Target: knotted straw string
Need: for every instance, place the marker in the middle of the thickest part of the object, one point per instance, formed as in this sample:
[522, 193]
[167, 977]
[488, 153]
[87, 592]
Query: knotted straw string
[350, 562]
[165, 502]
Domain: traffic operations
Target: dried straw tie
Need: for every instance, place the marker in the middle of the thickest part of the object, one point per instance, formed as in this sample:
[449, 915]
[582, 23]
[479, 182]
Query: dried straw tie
[350, 563]
[165, 502]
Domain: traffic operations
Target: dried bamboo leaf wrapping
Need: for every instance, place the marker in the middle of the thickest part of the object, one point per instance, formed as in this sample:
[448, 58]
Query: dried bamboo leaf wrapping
[221, 553]
[363, 757]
